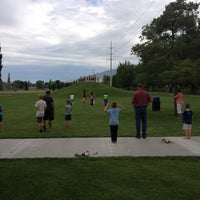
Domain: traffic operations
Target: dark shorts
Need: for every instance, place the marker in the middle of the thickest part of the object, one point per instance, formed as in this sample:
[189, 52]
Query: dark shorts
[40, 119]
[1, 118]
[49, 115]
[67, 117]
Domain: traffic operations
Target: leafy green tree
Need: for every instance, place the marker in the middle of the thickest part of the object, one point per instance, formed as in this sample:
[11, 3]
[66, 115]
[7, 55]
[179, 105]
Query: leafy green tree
[59, 84]
[40, 84]
[166, 42]
[106, 80]
[23, 85]
[125, 75]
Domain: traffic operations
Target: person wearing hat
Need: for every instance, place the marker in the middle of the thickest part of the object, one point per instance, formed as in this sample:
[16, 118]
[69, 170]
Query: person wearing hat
[49, 112]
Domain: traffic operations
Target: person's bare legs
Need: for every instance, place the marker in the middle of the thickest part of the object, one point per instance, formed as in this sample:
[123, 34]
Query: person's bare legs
[50, 124]
[187, 134]
[68, 125]
[1, 126]
[41, 125]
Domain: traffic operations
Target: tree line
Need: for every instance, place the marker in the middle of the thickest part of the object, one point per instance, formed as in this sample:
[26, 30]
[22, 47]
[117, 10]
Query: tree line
[39, 85]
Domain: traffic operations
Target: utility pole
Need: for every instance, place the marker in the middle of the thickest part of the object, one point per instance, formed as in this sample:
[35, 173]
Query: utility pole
[173, 21]
[111, 64]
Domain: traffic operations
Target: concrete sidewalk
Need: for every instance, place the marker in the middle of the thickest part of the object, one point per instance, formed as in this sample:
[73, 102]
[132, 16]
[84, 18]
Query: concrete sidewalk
[98, 147]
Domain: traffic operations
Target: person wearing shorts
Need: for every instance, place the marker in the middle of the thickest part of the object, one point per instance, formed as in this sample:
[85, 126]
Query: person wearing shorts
[187, 121]
[49, 112]
[179, 102]
[40, 106]
[84, 97]
[68, 109]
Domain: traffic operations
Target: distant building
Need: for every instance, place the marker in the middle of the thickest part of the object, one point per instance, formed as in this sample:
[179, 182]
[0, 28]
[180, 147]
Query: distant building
[90, 78]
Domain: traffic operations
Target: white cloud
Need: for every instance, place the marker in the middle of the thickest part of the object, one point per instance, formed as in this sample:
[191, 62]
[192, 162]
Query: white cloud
[69, 33]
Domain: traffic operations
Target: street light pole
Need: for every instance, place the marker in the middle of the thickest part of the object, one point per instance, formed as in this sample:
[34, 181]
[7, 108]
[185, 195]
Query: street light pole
[111, 64]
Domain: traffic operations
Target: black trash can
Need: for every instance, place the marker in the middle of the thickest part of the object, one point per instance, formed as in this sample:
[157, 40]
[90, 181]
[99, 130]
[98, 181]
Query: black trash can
[156, 104]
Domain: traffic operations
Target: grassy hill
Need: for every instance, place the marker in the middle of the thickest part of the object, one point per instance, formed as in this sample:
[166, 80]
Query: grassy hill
[98, 89]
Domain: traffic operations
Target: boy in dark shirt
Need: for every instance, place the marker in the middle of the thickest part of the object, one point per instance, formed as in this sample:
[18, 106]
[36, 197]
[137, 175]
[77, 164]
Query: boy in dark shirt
[49, 112]
[187, 121]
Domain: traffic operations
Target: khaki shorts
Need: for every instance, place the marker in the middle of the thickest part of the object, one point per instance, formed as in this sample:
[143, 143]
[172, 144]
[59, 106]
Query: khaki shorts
[187, 127]
[179, 108]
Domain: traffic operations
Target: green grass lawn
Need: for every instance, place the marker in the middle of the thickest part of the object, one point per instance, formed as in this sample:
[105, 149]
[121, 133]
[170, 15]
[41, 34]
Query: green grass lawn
[100, 178]
[91, 121]
[120, 178]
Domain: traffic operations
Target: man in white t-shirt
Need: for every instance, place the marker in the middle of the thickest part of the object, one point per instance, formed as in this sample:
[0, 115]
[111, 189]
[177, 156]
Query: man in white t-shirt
[72, 98]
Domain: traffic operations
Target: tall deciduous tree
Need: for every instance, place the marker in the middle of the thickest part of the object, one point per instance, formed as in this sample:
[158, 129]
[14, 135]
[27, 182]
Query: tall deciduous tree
[125, 75]
[106, 80]
[167, 41]
[40, 84]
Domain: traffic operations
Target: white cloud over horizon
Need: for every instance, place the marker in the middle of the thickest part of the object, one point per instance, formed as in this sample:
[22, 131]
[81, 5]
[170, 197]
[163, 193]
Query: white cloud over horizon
[65, 39]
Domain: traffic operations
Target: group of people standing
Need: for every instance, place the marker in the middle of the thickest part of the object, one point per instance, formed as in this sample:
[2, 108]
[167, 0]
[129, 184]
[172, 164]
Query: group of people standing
[186, 114]
[140, 101]
[45, 111]
[92, 97]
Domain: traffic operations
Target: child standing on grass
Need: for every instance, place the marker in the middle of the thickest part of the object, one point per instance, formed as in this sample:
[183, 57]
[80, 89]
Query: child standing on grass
[114, 119]
[84, 97]
[92, 99]
[72, 98]
[40, 106]
[187, 121]
[1, 118]
[68, 109]
[105, 98]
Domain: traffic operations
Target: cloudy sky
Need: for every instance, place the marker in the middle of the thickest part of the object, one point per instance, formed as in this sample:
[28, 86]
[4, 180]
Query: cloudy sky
[65, 39]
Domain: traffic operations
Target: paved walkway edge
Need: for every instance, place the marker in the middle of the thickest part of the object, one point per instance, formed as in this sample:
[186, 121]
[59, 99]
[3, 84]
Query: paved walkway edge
[98, 147]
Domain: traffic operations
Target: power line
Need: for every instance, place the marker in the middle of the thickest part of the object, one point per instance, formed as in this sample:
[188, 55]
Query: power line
[136, 21]
[138, 31]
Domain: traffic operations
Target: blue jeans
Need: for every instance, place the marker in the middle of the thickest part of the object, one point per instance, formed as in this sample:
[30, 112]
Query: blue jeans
[141, 116]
